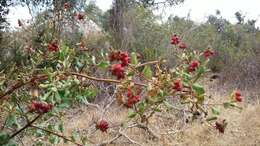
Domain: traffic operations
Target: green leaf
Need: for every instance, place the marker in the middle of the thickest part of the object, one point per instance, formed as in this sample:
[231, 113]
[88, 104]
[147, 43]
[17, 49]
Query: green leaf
[131, 114]
[4, 138]
[61, 127]
[53, 139]
[212, 118]
[198, 89]
[147, 72]
[11, 120]
[201, 70]
[228, 105]
[215, 111]
[74, 136]
[103, 64]
[134, 59]
[141, 107]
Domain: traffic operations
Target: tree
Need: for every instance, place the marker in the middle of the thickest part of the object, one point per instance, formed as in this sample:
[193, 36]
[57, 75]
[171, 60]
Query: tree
[119, 24]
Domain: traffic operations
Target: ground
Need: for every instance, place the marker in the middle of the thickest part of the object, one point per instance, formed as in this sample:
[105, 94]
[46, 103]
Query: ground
[243, 126]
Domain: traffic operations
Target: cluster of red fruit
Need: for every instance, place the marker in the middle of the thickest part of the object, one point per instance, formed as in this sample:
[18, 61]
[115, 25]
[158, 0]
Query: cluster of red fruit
[118, 68]
[53, 47]
[237, 96]
[132, 99]
[193, 65]
[102, 125]
[177, 85]
[40, 107]
[79, 16]
[175, 40]
[208, 53]
[66, 6]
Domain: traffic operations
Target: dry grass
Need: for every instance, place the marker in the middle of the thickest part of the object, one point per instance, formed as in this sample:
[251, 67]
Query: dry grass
[243, 126]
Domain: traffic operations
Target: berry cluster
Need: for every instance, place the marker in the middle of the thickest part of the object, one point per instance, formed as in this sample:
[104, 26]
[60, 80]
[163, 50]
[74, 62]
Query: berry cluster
[66, 6]
[177, 85]
[53, 47]
[193, 65]
[102, 125]
[118, 68]
[40, 107]
[237, 96]
[79, 16]
[175, 40]
[208, 53]
[132, 99]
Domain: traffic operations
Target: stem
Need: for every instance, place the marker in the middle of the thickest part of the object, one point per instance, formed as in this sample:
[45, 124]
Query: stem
[147, 63]
[56, 134]
[102, 79]
[25, 127]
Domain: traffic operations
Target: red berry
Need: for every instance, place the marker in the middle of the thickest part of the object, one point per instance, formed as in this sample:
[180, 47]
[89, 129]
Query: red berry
[238, 98]
[40, 107]
[114, 56]
[53, 47]
[175, 40]
[129, 93]
[182, 46]
[66, 5]
[118, 71]
[177, 85]
[208, 53]
[124, 58]
[193, 65]
[79, 16]
[132, 99]
[237, 93]
[102, 125]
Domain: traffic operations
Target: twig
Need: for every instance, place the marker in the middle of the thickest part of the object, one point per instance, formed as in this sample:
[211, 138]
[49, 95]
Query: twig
[20, 84]
[56, 134]
[147, 63]
[109, 141]
[128, 138]
[25, 127]
[102, 79]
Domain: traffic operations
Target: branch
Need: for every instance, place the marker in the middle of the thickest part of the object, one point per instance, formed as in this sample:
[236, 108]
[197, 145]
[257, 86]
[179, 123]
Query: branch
[25, 127]
[56, 134]
[102, 79]
[147, 63]
[20, 84]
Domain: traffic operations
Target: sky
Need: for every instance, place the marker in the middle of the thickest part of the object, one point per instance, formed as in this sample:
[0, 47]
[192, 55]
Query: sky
[199, 9]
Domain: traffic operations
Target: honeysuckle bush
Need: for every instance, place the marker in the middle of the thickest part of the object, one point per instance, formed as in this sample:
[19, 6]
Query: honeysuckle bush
[33, 98]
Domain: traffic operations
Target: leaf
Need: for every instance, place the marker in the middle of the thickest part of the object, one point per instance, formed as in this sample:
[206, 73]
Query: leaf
[198, 89]
[4, 138]
[141, 107]
[131, 114]
[74, 136]
[147, 72]
[212, 118]
[215, 111]
[103, 64]
[134, 59]
[11, 120]
[228, 105]
[53, 139]
[61, 127]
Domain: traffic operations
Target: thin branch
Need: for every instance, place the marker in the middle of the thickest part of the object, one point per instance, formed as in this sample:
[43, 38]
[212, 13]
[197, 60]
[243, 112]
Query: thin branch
[128, 138]
[147, 63]
[25, 127]
[102, 79]
[56, 134]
